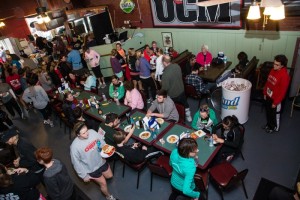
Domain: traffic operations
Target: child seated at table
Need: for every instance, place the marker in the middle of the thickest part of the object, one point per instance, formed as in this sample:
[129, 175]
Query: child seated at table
[116, 89]
[205, 119]
[135, 153]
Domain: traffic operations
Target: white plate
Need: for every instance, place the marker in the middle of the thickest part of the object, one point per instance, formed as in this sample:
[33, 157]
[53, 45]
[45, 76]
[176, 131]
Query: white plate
[147, 133]
[172, 139]
[127, 128]
[200, 133]
[104, 155]
[160, 120]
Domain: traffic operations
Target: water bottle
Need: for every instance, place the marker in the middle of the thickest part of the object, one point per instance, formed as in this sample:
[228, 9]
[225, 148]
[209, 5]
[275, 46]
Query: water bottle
[128, 118]
[211, 141]
[225, 59]
[140, 122]
[99, 146]
[205, 66]
[117, 102]
[188, 135]
[104, 97]
[153, 133]
[131, 120]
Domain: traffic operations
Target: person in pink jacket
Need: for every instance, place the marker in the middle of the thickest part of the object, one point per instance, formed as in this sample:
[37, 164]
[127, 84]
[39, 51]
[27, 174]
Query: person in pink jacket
[204, 56]
[133, 97]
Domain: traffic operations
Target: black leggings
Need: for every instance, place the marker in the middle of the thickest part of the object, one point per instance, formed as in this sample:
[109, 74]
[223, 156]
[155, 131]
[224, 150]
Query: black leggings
[46, 112]
[176, 193]
[149, 82]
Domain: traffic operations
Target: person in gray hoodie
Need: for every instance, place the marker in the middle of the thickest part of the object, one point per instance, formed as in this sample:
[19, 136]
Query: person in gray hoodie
[165, 106]
[36, 94]
[86, 159]
[59, 185]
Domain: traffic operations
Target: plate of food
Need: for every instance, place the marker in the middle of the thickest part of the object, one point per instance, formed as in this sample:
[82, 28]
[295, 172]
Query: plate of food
[172, 139]
[107, 151]
[145, 135]
[160, 120]
[76, 94]
[198, 134]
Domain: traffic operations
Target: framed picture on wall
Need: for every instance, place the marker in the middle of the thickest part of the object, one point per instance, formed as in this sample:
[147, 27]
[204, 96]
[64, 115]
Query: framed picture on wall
[167, 39]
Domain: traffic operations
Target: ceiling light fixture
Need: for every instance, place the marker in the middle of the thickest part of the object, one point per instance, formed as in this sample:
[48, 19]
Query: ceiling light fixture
[274, 10]
[2, 24]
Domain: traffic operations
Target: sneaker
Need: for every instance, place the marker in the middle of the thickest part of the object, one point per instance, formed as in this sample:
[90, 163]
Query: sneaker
[51, 124]
[149, 100]
[46, 122]
[189, 118]
[111, 197]
[229, 158]
[23, 116]
[271, 131]
[265, 127]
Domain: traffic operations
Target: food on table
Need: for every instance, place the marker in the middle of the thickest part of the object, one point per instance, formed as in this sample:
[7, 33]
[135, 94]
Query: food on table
[172, 138]
[160, 120]
[145, 135]
[107, 149]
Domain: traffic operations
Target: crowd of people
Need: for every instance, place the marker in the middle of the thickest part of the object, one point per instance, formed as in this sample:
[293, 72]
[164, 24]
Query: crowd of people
[150, 73]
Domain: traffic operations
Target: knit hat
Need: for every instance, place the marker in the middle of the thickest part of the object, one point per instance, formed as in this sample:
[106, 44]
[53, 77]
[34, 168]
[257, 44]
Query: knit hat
[6, 135]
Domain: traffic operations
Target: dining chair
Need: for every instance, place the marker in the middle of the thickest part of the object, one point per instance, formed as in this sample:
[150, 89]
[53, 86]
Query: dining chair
[181, 111]
[136, 167]
[296, 101]
[216, 99]
[190, 91]
[201, 179]
[224, 176]
[159, 167]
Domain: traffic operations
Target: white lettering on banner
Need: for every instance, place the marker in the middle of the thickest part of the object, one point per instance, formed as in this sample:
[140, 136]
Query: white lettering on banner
[230, 104]
[186, 13]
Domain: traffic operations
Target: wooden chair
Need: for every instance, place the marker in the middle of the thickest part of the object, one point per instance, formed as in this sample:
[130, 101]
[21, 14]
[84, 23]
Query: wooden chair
[224, 176]
[160, 167]
[181, 111]
[190, 91]
[296, 101]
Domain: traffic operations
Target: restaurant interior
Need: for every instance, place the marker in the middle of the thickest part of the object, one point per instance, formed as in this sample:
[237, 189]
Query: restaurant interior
[226, 26]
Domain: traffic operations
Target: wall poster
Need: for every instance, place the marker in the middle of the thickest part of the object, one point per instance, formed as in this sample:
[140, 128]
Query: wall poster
[185, 13]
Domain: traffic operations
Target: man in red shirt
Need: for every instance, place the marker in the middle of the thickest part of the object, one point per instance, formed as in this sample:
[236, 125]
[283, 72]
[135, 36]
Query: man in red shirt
[274, 92]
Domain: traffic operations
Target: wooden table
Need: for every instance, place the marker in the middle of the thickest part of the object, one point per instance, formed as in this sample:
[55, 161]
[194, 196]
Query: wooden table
[213, 72]
[205, 154]
[136, 115]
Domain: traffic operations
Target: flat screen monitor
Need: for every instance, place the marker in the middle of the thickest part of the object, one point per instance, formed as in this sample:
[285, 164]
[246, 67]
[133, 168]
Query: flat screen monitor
[123, 36]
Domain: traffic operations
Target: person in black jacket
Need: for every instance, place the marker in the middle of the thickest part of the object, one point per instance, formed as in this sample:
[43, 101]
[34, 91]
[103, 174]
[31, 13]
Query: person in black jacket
[18, 184]
[68, 107]
[64, 68]
[58, 183]
[231, 138]
[25, 150]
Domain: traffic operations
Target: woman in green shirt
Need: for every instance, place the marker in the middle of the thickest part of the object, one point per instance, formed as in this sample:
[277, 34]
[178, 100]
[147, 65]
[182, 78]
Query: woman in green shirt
[184, 168]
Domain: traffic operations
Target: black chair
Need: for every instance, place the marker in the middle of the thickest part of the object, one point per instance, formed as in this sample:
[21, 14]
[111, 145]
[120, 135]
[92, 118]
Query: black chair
[136, 167]
[181, 111]
[201, 179]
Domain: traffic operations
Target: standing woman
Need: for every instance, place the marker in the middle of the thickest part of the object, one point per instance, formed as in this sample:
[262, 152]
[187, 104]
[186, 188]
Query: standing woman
[116, 66]
[36, 94]
[159, 64]
[134, 73]
[184, 168]
[93, 59]
[44, 79]
[121, 56]
[145, 74]
[133, 97]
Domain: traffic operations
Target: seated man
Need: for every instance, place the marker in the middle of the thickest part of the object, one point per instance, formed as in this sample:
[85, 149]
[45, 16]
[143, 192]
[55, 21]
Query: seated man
[107, 129]
[165, 107]
[195, 80]
[134, 153]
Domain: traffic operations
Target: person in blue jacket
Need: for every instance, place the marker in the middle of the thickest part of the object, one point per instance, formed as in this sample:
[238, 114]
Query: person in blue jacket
[184, 168]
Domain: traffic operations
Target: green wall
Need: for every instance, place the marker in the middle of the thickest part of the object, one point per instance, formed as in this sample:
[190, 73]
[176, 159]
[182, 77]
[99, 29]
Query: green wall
[262, 44]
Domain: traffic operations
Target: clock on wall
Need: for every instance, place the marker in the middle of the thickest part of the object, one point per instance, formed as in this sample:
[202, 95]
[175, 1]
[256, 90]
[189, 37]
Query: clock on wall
[67, 1]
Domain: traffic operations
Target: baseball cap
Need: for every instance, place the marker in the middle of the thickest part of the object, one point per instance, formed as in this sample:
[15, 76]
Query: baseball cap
[6, 135]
